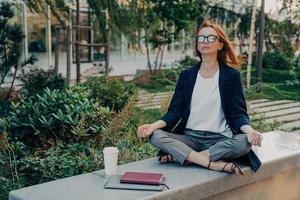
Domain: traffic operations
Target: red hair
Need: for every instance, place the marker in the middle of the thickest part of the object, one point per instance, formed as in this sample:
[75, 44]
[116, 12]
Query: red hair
[226, 54]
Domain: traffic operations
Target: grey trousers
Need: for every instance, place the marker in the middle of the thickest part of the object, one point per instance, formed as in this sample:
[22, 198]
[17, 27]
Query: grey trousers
[219, 146]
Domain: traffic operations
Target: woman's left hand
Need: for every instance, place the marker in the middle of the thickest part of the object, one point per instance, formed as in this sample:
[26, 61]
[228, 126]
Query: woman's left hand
[254, 137]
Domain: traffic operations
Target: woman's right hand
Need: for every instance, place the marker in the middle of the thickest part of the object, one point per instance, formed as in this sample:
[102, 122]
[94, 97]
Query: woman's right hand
[145, 130]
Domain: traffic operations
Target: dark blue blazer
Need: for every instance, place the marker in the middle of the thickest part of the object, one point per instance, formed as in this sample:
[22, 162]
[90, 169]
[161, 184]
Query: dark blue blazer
[232, 100]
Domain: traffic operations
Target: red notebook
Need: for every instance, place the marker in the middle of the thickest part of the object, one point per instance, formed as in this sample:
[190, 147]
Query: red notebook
[142, 178]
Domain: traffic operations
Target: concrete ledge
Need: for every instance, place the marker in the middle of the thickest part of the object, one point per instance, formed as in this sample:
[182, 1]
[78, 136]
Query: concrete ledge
[280, 156]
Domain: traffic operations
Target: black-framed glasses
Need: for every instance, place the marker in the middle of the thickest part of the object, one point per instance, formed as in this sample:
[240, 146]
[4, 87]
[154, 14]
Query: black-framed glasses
[210, 38]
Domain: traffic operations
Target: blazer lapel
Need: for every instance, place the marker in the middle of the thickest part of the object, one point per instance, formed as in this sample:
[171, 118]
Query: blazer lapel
[191, 83]
[223, 88]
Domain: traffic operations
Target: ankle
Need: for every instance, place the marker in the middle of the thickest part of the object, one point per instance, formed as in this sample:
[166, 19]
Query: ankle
[216, 164]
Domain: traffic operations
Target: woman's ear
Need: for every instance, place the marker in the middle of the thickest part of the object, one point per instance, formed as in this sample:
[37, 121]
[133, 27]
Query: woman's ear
[221, 46]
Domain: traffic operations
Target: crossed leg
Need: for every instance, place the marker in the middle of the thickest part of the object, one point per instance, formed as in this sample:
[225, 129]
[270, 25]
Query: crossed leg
[184, 151]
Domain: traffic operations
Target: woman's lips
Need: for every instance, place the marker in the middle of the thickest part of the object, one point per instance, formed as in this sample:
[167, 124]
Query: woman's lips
[204, 48]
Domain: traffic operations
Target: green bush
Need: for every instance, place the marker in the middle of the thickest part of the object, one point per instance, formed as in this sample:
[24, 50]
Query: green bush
[164, 80]
[45, 165]
[61, 133]
[6, 185]
[110, 93]
[67, 116]
[122, 133]
[276, 60]
[295, 72]
[186, 62]
[4, 108]
[60, 162]
[37, 45]
[151, 115]
[276, 75]
[36, 80]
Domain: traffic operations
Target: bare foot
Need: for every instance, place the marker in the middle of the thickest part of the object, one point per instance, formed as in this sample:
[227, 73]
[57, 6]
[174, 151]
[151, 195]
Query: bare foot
[231, 167]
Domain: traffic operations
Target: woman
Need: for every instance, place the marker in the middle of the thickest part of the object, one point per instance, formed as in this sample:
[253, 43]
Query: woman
[207, 121]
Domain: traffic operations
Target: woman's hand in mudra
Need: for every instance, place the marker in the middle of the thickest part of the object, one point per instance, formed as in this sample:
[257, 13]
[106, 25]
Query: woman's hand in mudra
[254, 137]
[145, 130]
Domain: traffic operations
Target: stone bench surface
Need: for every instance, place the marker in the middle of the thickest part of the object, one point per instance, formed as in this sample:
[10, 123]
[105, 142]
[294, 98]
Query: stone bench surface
[280, 152]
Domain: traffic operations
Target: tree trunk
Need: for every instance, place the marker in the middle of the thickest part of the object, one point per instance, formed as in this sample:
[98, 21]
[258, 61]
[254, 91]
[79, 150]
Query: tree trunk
[156, 58]
[241, 39]
[252, 27]
[161, 57]
[148, 54]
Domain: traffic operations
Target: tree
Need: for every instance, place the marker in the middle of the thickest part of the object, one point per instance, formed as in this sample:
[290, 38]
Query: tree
[59, 8]
[174, 16]
[160, 21]
[252, 27]
[11, 37]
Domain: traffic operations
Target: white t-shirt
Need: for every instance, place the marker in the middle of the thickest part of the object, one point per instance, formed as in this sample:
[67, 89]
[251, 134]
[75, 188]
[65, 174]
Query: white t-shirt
[206, 109]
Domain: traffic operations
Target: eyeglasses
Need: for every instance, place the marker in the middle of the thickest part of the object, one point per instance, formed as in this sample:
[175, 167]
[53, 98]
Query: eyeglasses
[210, 38]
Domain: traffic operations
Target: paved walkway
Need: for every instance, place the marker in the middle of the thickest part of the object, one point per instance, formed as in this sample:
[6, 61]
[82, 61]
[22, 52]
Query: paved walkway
[287, 112]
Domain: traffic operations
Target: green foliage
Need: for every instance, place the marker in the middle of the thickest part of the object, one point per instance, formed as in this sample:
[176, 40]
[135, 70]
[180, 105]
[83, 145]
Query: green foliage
[186, 62]
[67, 157]
[276, 60]
[11, 37]
[276, 76]
[37, 79]
[122, 133]
[110, 93]
[280, 91]
[151, 115]
[258, 122]
[46, 165]
[38, 45]
[132, 153]
[295, 72]
[59, 162]
[161, 81]
[59, 9]
[164, 80]
[7, 185]
[4, 108]
[69, 115]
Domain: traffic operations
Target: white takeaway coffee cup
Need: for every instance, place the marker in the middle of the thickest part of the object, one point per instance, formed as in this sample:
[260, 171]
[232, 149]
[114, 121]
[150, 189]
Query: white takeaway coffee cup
[110, 160]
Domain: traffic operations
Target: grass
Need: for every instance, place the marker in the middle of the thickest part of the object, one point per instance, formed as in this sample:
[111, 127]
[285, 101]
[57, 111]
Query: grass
[274, 91]
[151, 115]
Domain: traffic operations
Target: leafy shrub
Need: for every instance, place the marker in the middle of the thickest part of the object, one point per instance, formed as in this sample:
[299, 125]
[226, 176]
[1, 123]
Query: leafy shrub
[276, 76]
[121, 132]
[186, 62]
[110, 93]
[131, 153]
[6, 185]
[60, 133]
[59, 162]
[276, 60]
[279, 91]
[36, 80]
[45, 165]
[37, 45]
[123, 125]
[295, 72]
[161, 81]
[151, 115]
[164, 80]
[69, 115]
[4, 108]
[258, 122]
